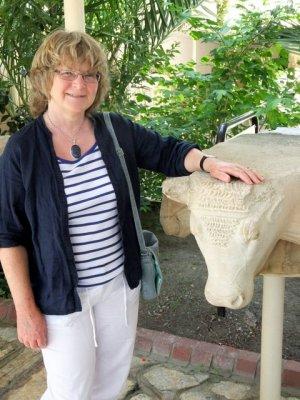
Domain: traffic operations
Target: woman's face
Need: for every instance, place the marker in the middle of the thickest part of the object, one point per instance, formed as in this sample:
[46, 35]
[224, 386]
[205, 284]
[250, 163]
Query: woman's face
[72, 97]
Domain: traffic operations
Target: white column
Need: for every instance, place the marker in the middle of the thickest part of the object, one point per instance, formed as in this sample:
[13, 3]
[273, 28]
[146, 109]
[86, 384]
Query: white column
[74, 15]
[271, 337]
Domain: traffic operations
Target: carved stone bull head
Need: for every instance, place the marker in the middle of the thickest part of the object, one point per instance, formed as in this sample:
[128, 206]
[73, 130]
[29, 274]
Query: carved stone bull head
[236, 226]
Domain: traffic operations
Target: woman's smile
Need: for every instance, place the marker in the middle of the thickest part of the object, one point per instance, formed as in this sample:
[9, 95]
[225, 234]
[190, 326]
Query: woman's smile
[72, 97]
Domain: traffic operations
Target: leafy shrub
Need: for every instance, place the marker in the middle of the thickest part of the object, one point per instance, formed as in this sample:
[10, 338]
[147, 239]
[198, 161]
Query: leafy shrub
[4, 290]
[132, 33]
[245, 76]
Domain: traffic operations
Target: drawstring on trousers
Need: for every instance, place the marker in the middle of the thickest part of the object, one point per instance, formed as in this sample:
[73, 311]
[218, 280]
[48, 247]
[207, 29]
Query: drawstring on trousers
[125, 301]
[92, 321]
[92, 317]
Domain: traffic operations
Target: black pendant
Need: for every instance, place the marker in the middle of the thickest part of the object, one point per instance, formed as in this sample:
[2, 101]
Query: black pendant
[75, 151]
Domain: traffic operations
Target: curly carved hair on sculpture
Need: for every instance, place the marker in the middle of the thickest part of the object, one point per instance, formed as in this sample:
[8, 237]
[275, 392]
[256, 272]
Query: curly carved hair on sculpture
[69, 49]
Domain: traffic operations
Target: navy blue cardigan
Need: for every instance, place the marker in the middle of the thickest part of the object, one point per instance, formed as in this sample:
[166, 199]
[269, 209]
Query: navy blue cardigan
[34, 208]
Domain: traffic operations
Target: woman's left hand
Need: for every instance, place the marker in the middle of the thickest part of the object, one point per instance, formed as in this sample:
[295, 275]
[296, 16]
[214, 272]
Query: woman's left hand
[225, 171]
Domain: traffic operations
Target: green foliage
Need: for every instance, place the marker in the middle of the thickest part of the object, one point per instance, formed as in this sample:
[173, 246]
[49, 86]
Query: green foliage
[222, 9]
[4, 95]
[4, 290]
[245, 73]
[4, 101]
[131, 31]
[22, 26]
[245, 76]
[290, 37]
[187, 104]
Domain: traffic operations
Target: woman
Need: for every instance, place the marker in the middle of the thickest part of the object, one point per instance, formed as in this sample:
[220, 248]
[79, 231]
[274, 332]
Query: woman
[67, 236]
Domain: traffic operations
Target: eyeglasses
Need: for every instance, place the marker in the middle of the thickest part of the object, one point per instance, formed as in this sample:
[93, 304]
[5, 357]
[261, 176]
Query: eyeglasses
[71, 76]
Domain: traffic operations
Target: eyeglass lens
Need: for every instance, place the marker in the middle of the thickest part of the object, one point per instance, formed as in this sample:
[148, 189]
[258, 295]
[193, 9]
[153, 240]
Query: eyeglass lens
[72, 76]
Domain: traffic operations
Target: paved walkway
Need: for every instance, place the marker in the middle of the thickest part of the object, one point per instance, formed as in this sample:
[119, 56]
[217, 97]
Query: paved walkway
[164, 367]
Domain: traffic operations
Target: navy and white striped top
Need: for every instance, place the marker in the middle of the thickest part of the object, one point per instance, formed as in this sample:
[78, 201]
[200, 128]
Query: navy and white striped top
[93, 219]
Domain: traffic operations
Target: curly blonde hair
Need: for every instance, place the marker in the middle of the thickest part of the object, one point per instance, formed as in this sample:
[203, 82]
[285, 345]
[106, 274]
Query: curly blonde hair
[68, 48]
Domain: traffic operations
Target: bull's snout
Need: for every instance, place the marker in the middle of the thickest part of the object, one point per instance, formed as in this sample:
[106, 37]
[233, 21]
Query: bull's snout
[227, 296]
[237, 302]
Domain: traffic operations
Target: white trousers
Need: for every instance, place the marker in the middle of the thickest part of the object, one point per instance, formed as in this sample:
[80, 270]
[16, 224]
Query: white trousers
[89, 353]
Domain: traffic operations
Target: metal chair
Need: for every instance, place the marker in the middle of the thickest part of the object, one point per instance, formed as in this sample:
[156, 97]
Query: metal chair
[227, 126]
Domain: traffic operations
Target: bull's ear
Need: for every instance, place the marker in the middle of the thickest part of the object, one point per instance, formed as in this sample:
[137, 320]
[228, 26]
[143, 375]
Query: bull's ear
[174, 218]
[177, 189]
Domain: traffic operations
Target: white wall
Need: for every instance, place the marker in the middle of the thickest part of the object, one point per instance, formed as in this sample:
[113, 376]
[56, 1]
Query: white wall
[190, 49]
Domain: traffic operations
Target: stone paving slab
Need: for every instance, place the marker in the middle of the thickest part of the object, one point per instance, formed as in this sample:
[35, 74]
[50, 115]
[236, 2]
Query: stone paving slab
[19, 369]
[7, 351]
[140, 396]
[236, 364]
[23, 378]
[231, 390]
[168, 382]
[32, 389]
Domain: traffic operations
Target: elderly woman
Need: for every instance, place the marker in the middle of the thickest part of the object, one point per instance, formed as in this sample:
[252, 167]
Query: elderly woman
[67, 236]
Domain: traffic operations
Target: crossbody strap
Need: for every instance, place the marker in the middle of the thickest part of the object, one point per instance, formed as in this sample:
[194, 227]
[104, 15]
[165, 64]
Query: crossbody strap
[137, 221]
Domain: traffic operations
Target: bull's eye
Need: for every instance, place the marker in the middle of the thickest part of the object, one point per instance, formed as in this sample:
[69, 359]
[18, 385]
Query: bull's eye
[249, 232]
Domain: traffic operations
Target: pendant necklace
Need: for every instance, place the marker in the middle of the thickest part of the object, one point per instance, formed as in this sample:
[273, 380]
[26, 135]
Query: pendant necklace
[75, 150]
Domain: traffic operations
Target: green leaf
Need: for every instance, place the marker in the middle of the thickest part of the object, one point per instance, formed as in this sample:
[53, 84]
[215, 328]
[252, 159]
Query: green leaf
[205, 59]
[272, 104]
[218, 94]
[142, 97]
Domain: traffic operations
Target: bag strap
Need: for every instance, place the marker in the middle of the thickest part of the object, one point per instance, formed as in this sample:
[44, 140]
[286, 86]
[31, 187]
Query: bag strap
[136, 217]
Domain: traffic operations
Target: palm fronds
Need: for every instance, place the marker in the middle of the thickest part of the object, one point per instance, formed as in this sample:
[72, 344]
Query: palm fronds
[290, 38]
[133, 31]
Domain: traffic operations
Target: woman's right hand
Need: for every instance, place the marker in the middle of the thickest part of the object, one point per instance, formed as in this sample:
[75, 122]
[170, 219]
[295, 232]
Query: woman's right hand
[31, 327]
[31, 324]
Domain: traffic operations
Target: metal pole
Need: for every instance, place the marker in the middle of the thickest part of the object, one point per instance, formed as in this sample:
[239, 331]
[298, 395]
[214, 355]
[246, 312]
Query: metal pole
[271, 337]
[74, 15]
